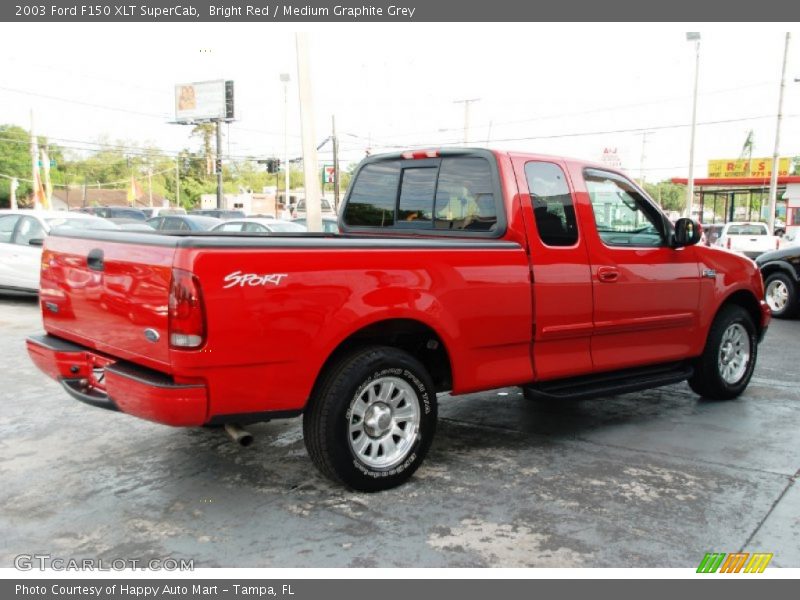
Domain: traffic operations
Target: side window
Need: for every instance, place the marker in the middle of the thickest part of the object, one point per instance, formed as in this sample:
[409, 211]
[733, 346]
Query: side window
[416, 196]
[254, 228]
[372, 199]
[465, 195]
[27, 230]
[7, 224]
[231, 227]
[553, 208]
[623, 215]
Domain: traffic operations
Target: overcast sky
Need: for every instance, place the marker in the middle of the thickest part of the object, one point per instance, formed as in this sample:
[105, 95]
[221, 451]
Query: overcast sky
[395, 86]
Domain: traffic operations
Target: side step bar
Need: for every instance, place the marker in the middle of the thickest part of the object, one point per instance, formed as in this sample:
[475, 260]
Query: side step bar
[612, 383]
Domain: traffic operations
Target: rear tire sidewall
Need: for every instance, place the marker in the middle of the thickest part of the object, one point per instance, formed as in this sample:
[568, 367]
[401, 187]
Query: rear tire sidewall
[382, 362]
[791, 302]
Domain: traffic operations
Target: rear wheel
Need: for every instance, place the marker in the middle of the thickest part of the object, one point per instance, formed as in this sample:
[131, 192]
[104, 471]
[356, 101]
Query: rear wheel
[781, 295]
[724, 369]
[372, 419]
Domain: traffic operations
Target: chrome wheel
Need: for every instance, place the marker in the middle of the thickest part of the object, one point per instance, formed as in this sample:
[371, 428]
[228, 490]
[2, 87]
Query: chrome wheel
[384, 422]
[734, 353]
[777, 295]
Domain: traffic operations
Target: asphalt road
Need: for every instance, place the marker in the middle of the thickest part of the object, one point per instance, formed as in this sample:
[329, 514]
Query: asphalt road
[652, 479]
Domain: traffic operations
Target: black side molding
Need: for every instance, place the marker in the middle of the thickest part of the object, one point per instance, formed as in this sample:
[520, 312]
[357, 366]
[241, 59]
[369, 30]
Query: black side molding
[612, 383]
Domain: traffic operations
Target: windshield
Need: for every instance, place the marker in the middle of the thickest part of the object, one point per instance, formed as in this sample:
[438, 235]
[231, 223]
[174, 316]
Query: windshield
[286, 227]
[754, 229]
[78, 223]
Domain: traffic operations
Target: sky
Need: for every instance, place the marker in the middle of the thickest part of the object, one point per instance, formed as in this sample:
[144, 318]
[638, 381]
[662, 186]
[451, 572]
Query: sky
[563, 89]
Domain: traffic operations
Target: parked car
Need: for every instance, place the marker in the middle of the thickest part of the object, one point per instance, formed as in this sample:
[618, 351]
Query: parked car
[329, 225]
[749, 239]
[781, 272]
[791, 238]
[711, 233]
[461, 270]
[183, 223]
[259, 225]
[114, 212]
[299, 210]
[218, 213]
[22, 234]
[132, 224]
[163, 211]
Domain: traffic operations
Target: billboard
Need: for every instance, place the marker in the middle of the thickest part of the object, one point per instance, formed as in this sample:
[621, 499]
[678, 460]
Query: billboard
[754, 167]
[203, 101]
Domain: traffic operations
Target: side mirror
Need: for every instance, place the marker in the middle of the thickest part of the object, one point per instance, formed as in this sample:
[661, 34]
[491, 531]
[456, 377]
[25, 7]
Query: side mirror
[687, 233]
[36, 242]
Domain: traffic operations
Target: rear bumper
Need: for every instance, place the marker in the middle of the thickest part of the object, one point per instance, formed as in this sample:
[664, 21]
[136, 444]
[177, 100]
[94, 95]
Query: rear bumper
[105, 382]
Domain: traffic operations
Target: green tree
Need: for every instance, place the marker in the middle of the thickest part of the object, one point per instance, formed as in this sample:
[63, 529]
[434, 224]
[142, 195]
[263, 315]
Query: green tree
[15, 161]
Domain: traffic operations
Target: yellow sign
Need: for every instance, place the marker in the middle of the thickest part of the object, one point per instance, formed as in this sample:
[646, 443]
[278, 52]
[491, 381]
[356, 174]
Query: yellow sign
[755, 167]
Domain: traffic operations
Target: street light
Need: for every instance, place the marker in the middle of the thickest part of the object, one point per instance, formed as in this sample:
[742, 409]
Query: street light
[693, 36]
[285, 80]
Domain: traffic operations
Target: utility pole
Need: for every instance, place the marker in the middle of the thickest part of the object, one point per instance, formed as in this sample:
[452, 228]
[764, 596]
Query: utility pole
[218, 163]
[310, 165]
[693, 37]
[150, 184]
[642, 158]
[335, 165]
[13, 192]
[177, 182]
[35, 166]
[285, 80]
[773, 180]
[466, 104]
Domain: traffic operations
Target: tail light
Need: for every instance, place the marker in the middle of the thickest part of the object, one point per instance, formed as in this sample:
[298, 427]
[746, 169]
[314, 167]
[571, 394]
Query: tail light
[777, 243]
[187, 327]
[728, 243]
[418, 154]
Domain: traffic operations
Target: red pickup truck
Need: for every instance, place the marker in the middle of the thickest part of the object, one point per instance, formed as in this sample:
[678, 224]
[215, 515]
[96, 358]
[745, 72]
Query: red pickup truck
[460, 270]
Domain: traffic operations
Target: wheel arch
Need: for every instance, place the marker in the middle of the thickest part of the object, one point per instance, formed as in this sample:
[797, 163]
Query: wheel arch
[748, 301]
[779, 266]
[419, 339]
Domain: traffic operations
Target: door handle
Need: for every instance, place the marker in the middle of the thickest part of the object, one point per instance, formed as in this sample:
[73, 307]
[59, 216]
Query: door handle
[607, 274]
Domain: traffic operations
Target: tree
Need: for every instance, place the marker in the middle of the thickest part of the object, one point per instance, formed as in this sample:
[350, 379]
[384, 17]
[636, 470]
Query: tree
[206, 131]
[15, 161]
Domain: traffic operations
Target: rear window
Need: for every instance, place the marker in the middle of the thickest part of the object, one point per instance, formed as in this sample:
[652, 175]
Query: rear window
[452, 193]
[748, 229]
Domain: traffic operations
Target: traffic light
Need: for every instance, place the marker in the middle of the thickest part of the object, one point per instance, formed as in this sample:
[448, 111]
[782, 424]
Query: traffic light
[273, 164]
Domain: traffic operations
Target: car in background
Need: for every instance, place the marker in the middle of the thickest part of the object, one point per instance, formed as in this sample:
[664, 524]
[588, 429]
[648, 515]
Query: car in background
[114, 212]
[329, 225]
[259, 225]
[22, 234]
[326, 209]
[219, 213]
[173, 223]
[750, 239]
[163, 211]
[791, 238]
[780, 270]
[132, 224]
[711, 233]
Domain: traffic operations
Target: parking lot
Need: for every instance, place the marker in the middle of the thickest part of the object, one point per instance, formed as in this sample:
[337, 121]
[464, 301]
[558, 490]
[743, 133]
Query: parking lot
[651, 479]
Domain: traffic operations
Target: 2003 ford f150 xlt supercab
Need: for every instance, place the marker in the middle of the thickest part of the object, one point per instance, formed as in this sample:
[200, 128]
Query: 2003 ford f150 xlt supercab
[460, 270]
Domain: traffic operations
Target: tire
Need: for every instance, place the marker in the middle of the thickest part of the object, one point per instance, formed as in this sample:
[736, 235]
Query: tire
[724, 369]
[371, 419]
[780, 292]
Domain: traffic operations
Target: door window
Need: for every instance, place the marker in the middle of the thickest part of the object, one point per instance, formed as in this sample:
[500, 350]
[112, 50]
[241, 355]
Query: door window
[624, 217]
[27, 230]
[7, 224]
[552, 204]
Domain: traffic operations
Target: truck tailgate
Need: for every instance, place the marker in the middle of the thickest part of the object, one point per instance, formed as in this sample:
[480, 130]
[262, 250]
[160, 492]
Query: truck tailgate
[109, 296]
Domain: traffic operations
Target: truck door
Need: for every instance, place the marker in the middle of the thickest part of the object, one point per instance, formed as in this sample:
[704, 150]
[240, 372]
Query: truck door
[561, 276]
[646, 294]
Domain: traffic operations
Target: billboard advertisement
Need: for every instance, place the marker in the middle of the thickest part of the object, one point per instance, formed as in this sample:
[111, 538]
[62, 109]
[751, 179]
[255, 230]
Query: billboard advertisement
[204, 100]
[754, 167]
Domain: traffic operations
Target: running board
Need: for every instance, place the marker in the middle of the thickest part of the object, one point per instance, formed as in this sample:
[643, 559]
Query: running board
[611, 383]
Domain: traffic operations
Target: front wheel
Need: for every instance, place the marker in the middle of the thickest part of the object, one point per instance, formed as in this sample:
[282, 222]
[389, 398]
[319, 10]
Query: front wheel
[781, 295]
[724, 369]
[372, 419]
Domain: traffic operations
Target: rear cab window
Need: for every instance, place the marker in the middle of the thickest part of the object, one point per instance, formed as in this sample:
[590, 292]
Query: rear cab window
[455, 194]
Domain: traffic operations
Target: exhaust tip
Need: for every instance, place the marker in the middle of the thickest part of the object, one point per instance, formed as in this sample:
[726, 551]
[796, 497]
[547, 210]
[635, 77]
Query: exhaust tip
[239, 435]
